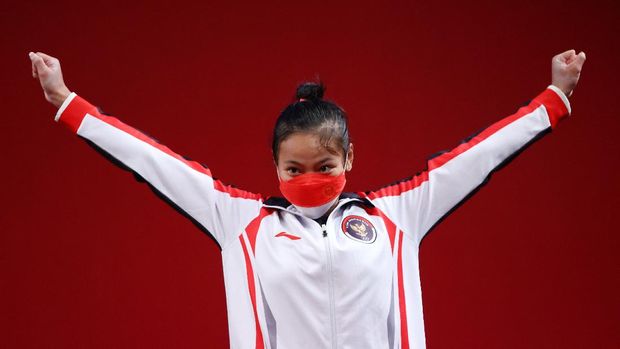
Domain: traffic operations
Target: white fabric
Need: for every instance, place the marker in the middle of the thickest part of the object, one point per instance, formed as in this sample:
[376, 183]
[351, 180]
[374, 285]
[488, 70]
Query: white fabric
[450, 183]
[562, 96]
[318, 286]
[314, 212]
[64, 105]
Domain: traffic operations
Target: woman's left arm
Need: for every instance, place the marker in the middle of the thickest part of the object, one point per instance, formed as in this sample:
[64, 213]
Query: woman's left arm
[418, 203]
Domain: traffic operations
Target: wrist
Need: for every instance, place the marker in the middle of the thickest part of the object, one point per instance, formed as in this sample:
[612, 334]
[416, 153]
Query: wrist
[567, 90]
[562, 96]
[58, 97]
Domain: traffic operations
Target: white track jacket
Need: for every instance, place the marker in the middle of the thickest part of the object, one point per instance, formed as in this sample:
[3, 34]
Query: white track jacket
[293, 283]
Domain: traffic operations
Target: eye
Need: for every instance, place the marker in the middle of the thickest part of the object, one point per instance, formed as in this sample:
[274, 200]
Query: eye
[292, 170]
[325, 169]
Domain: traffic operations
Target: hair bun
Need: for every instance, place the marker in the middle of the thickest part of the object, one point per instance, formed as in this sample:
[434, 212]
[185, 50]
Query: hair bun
[310, 90]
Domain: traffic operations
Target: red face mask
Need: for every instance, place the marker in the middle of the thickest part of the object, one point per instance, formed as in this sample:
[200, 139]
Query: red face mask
[312, 189]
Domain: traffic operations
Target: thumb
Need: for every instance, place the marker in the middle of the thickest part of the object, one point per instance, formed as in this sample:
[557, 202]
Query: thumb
[581, 57]
[577, 63]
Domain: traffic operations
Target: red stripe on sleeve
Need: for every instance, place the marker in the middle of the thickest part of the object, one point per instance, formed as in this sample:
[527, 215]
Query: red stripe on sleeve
[400, 187]
[234, 192]
[77, 110]
[218, 185]
[150, 141]
[555, 108]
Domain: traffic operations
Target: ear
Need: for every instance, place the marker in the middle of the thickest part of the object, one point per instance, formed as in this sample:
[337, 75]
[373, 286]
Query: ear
[349, 165]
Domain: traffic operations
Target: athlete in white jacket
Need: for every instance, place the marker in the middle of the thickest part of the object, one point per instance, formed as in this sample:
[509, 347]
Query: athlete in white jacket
[319, 268]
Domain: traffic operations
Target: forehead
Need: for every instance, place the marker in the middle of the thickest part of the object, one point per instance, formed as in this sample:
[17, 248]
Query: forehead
[307, 147]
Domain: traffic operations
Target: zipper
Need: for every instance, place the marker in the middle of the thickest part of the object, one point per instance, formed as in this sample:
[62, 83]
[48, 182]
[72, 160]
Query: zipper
[330, 281]
[330, 285]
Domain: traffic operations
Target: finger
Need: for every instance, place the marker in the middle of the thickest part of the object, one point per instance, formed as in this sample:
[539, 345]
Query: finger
[49, 60]
[565, 56]
[568, 53]
[38, 63]
[580, 58]
[34, 70]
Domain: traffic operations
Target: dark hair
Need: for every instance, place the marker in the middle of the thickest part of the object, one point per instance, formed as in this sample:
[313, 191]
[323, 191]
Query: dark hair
[310, 113]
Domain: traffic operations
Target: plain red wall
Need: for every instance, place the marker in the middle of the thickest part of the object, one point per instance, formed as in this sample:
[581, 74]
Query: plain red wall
[90, 258]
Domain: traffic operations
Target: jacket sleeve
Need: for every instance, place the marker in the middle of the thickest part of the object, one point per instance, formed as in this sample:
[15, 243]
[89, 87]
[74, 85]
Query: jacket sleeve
[418, 203]
[217, 209]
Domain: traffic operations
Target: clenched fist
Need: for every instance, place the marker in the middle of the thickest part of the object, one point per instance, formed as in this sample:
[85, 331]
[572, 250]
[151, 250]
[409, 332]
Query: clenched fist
[565, 70]
[47, 69]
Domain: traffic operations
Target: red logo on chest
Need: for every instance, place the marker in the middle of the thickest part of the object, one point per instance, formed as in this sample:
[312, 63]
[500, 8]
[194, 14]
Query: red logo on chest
[284, 234]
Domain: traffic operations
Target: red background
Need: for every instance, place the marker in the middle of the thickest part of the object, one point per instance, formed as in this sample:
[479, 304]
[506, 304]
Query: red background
[90, 258]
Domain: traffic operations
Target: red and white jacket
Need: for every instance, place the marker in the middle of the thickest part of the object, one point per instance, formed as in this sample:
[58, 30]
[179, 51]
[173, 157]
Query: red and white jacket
[291, 282]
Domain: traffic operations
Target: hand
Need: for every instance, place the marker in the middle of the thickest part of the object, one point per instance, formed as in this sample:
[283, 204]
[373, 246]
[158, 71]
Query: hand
[47, 69]
[565, 70]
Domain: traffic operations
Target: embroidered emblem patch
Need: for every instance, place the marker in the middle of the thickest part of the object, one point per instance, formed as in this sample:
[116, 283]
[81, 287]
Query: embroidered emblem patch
[359, 229]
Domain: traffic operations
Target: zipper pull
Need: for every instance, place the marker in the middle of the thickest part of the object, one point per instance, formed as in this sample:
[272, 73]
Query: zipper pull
[324, 227]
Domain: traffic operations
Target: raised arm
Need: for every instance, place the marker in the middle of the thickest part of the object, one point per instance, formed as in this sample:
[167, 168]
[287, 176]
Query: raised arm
[418, 203]
[219, 210]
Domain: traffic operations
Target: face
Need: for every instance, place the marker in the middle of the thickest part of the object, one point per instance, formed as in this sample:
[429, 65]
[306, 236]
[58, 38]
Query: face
[303, 153]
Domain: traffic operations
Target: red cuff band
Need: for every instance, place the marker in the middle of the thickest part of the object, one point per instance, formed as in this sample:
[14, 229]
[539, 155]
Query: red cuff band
[73, 115]
[556, 109]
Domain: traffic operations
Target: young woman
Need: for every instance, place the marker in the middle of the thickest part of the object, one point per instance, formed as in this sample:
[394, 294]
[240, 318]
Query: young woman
[318, 268]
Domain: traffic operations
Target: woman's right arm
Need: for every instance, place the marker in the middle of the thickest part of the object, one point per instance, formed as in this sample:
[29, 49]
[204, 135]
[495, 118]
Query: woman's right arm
[218, 209]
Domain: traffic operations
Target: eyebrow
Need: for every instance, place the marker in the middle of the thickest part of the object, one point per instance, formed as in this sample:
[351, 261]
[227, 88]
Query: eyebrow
[324, 160]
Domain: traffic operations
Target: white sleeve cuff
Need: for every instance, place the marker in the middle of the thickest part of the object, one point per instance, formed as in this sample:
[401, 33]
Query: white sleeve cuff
[64, 105]
[562, 96]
